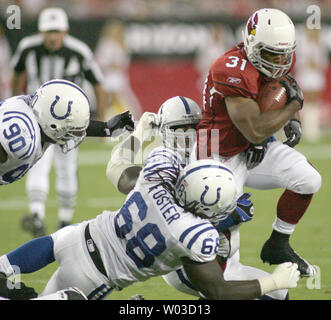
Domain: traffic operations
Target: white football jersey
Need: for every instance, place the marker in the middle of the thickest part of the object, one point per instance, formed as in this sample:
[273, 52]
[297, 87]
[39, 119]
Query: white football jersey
[20, 137]
[150, 233]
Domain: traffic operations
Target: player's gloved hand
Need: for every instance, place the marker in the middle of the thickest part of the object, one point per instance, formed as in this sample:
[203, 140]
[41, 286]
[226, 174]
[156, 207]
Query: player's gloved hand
[293, 132]
[243, 213]
[285, 276]
[123, 120]
[255, 154]
[293, 90]
[15, 291]
[245, 209]
[145, 128]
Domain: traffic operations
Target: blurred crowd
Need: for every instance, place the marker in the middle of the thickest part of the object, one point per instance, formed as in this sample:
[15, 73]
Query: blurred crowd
[140, 9]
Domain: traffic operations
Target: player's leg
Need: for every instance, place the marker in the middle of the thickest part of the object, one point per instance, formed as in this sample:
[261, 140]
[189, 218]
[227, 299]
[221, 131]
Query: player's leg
[284, 167]
[179, 281]
[66, 184]
[27, 258]
[37, 187]
[76, 268]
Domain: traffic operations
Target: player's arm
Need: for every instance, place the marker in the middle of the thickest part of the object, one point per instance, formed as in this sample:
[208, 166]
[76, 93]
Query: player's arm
[257, 126]
[128, 179]
[208, 279]
[122, 171]
[107, 129]
[254, 125]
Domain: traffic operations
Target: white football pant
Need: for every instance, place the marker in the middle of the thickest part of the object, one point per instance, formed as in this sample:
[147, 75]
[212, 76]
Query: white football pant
[76, 268]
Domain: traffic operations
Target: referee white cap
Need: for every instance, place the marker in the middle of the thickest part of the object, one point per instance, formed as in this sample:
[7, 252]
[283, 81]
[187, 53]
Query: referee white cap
[53, 19]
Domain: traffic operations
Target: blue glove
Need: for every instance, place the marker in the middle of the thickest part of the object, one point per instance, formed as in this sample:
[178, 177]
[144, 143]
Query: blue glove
[243, 213]
[245, 210]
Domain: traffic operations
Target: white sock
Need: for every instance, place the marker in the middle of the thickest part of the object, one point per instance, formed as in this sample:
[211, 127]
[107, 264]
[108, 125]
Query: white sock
[66, 214]
[6, 267]
[283, 227]
[38, 208]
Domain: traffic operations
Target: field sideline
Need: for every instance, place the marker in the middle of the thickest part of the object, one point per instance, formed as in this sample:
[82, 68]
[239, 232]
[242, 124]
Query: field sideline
[311, 238]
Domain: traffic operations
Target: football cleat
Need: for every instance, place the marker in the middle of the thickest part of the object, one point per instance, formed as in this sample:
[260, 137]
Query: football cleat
[33, 224]
[277, 254]
[63, 224]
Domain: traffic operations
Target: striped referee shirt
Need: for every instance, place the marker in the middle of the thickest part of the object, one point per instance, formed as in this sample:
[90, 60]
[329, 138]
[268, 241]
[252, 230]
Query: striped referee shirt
[73, 62]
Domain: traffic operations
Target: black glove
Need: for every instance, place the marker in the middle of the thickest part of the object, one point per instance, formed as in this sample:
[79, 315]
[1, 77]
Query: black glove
[255, 154]
[293, 90]
[121, 121]
[15, 291]
[293, 132]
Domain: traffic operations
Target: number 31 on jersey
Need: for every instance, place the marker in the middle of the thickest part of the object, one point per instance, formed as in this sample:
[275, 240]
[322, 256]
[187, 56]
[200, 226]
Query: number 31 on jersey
[235, 61]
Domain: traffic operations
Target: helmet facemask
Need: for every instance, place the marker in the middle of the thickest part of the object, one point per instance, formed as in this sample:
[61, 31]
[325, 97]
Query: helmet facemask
[72, 139]
[270, 69]
[180, 139]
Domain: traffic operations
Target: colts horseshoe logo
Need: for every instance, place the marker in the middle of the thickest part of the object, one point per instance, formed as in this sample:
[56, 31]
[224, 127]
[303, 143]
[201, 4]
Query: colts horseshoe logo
[202, 198]
[57, 98]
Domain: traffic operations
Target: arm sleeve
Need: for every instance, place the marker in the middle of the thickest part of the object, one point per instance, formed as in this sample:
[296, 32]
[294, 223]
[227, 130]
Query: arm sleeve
[131, 152]
[97, 129]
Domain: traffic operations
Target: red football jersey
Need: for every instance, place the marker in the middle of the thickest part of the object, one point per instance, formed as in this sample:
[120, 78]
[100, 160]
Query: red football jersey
[230, 75]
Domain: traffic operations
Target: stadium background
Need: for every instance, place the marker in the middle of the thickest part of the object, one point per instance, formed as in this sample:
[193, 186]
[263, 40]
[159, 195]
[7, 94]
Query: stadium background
[165, 42]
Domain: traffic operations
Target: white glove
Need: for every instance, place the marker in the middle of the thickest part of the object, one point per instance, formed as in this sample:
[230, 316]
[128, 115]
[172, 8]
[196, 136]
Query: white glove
[286, 275]
[145, 128]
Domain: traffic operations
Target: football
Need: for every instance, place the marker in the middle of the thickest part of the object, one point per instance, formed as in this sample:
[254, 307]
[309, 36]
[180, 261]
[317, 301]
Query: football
[272, 95]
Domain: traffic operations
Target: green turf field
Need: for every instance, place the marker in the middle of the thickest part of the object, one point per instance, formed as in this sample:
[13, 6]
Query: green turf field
[311, 238]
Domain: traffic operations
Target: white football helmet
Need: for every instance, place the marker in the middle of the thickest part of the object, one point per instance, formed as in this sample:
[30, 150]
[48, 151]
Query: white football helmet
[270, 31]
[63, 112]
[207, 188]
[174, 114]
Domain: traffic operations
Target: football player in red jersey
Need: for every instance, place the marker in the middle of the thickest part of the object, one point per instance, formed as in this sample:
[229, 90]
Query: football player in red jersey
[234, 130]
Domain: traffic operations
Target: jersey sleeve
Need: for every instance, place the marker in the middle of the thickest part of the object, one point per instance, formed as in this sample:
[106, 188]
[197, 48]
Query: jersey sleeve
[200, 242]
[234, 76]
[18, 135]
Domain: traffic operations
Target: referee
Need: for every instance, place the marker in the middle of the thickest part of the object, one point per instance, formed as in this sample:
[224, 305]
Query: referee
[51, 54]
